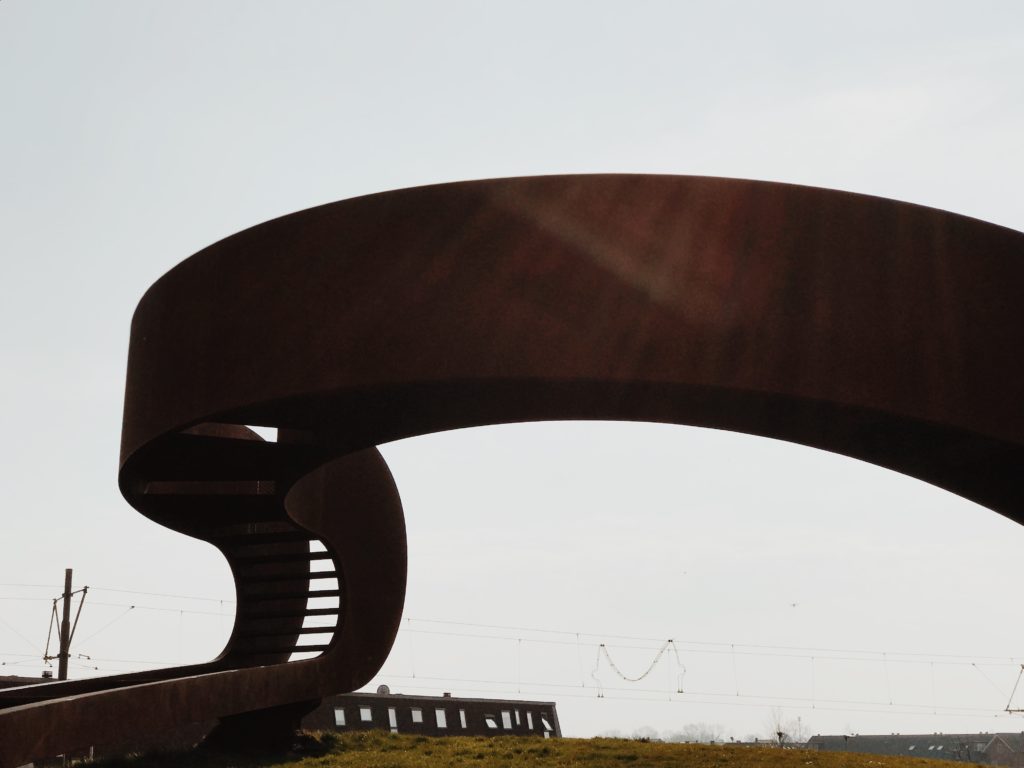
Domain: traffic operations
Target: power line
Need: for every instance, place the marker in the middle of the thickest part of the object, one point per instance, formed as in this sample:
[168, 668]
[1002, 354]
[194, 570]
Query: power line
[33, 660]
[814, 701]
[861, 654]
[33, 586]
[28, 599]
[690, 697]
[105, 626]
[157, 608]
[725, 652]
[694, 697]
[164, 594]
[129, 661]
[496, 632]
[890, 654]
[33, 645]
[602, 649]
[764, 702]
[703, 646]
[991, 682]
[1009, 701]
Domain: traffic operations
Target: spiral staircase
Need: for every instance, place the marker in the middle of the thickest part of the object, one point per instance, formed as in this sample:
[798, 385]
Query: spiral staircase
[884, 331]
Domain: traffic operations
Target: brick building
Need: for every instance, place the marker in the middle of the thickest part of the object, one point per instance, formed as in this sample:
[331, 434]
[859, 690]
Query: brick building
[434, 715]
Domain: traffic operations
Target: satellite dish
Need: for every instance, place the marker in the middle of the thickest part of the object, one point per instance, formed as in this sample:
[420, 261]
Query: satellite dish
[383, 690]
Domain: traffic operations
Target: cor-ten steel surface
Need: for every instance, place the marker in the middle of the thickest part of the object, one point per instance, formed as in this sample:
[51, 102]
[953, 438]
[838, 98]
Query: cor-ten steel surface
[880, 330]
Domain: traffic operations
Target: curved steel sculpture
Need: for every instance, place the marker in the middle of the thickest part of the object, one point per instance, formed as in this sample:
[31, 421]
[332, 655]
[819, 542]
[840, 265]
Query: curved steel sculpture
[881, 330]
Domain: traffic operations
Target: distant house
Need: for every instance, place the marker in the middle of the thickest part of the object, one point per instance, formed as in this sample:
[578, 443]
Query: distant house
[434, 715]
[1006, 749]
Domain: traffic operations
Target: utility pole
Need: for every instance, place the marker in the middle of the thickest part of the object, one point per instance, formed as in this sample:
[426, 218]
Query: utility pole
[65, 630]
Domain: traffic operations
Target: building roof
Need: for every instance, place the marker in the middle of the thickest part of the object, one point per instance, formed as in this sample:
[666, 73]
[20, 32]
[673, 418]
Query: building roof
[949, 746]
[442, 698]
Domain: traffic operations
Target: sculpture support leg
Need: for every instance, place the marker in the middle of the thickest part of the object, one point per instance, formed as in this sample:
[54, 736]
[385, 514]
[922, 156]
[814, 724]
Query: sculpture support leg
[263, 731]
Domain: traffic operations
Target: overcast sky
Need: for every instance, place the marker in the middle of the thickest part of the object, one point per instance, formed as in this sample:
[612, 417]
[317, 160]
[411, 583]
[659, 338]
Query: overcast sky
[134, 133]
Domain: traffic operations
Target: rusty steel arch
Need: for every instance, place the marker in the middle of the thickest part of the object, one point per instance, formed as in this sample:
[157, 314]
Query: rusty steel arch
[881, 330]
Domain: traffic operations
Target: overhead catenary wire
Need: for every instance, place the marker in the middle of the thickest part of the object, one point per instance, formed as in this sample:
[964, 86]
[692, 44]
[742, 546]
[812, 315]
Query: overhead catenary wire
[754, 650]
[646, 694]
[730, 650]
[990, 681]
[49, 633]
[33, 586]
[84, 590]
[735, 673]
[754, 702]
[15, 631]
[814, 701]
[813, 687]
[1014, 691]
[602, 650]
[26, 599]
[165, 609]
[578, 640]
[819, 650]
[708, 647]
[33, 660]
[573, 637]
[108, 624]
[888, 685]
[165, 594]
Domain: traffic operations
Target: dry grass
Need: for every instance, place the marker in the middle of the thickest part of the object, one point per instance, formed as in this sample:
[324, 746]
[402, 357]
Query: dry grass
[375, 749]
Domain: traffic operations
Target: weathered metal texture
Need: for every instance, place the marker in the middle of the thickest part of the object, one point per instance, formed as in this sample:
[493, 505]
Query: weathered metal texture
[880, 330]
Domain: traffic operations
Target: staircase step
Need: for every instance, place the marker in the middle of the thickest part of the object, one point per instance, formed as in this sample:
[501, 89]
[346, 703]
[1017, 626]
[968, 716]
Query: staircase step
[307, 576]
[281, 649]
[303, 631]
[292, 558]
[260, 615]
[311, 593]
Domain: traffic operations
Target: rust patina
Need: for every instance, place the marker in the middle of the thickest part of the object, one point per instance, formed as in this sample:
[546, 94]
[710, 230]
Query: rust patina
[884, 331]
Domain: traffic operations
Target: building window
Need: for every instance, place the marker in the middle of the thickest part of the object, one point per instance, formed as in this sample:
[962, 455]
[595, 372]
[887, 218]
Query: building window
[462, 718]
[517, 717]
[911, 747]
[491, 722]
[417, 715]
[529, 720]
[441, 718]
[339, 717]
[366, 714]
[393, 719]
[506, 719]
[545, 723]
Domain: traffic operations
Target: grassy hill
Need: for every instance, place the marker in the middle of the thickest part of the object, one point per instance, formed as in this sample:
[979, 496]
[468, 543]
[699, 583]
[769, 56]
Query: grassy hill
[384, 750]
